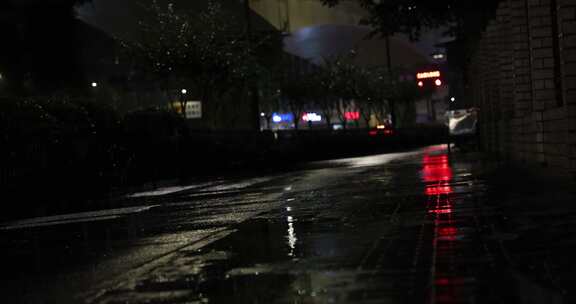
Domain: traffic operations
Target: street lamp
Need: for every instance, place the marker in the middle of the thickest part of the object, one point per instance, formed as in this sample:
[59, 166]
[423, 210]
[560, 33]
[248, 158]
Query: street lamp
[183, 102]
[453, 99]
[94, 84]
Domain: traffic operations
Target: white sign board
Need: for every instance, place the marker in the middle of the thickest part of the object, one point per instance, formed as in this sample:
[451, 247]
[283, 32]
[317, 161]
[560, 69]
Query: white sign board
[193, 109]
[462, 122]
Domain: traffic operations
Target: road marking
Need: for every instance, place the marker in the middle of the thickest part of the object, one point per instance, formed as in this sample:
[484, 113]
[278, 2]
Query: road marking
[81, 217]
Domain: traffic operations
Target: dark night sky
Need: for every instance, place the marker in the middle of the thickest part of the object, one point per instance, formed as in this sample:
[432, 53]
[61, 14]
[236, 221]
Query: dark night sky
[120, 17]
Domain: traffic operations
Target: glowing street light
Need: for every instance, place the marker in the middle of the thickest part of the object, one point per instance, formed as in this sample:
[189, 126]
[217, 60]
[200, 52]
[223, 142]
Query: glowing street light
[94, 84]
[453, 99]
[438, 56]
[184, 91]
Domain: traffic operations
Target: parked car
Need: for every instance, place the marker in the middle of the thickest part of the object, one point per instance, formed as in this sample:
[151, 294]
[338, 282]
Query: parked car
[381, 130]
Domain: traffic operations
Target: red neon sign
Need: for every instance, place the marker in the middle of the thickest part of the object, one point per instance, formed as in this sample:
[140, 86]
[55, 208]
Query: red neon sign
[427, 75]
[352, 115]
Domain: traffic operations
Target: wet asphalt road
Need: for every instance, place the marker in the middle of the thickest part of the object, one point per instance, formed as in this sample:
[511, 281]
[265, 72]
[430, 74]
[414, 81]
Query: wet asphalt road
[392, 228]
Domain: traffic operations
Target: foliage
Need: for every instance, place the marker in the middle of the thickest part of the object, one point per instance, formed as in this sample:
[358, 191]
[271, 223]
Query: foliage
[352, 87]
[297, 92]
[410, 17]
[389, 17]
[178, 45]
[205, 51]
[339, 86]
[54, 119]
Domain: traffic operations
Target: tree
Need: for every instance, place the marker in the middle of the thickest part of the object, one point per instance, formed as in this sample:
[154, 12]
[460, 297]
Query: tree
[370, 86]
[341, 86]
[295, 91]
[464, 20]
[40, 47]
[406, 93]
[389, 17]
[270, 93]
[347, 83]
[325, 98]
[411, 17]
[205, 52]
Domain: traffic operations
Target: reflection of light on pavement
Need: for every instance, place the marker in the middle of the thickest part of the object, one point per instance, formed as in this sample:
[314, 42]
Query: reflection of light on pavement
[367, 161]
[441, 211]
[438, 190]
[437, 175]
[166, 190]
[291, 236]
[81, 217]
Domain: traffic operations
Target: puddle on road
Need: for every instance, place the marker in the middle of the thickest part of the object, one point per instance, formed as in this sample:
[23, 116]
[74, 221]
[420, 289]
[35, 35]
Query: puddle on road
[309, 251]
[248, 267]
[279, 259]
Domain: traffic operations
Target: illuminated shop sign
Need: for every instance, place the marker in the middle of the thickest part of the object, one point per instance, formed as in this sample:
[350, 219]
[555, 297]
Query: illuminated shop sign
[313, 117]
[427, 75]
[279, 117]
[352, 115]
[193, 109]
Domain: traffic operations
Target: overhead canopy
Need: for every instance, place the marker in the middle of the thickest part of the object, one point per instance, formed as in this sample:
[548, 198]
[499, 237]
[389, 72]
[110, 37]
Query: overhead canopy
[324, 41]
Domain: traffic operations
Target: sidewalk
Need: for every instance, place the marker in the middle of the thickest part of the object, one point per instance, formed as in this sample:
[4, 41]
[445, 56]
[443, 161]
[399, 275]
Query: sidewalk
[417, 227]
[537, 232]
[429, 228]
[527, 223]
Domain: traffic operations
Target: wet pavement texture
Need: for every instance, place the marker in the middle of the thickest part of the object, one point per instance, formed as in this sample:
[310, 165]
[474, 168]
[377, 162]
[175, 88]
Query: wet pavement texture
[417, 227]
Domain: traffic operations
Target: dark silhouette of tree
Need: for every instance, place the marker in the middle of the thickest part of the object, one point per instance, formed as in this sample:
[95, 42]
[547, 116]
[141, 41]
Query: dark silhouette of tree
[40, 46]
[201, 51]
[388, 17]
[464, 20]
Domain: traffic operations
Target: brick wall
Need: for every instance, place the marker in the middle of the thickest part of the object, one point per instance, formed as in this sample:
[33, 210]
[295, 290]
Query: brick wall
[523, 79]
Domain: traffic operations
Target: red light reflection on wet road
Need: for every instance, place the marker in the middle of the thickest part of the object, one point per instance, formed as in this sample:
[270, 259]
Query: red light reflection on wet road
[438, 190]
[437, 175]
